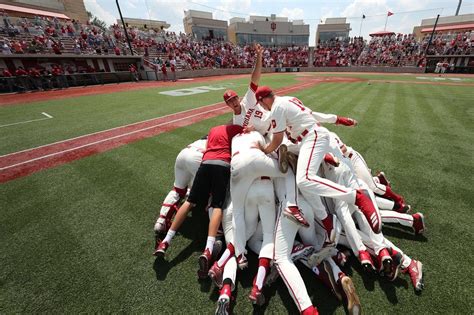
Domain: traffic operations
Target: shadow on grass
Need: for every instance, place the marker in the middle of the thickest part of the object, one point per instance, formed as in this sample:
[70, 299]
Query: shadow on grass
[402, 232]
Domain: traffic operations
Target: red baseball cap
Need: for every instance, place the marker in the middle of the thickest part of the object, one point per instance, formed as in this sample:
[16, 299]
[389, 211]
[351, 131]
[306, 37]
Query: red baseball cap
[262, 92]
[229, 94]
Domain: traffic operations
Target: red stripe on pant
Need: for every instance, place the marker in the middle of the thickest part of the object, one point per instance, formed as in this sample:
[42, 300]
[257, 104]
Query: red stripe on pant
[309, 164]
[289, 287]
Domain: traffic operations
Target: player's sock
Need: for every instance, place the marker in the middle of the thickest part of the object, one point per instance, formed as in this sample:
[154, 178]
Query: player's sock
[309, 311]
[210, 243]
[228, 253]
[169, 236]
[263, 266]
[226, 288]
[391, 195]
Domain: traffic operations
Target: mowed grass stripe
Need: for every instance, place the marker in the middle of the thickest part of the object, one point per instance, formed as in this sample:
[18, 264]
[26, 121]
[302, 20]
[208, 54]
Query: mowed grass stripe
[87, 114]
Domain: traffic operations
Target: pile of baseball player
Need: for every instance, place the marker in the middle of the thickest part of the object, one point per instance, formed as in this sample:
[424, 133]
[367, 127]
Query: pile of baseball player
[279, 184]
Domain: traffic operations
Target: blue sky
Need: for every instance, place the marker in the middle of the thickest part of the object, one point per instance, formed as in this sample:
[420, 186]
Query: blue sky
[407, 13]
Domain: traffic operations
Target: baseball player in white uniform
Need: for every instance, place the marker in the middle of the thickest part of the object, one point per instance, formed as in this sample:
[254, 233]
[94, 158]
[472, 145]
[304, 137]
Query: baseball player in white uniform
[185, 168]
[289, 114]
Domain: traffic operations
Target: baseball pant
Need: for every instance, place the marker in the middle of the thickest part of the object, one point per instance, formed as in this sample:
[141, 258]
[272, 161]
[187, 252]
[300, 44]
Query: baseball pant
[313, 148]
[245, 168]
[185, 168]
[363, 172]
[285, 232]
[396, 217]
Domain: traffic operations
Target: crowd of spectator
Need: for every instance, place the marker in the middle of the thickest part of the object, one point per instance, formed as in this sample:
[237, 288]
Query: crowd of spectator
[458, 43]
[183, 52]
[338, 53]
[392, 50]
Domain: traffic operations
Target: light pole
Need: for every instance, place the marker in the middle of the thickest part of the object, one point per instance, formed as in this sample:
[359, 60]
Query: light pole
[124, 28]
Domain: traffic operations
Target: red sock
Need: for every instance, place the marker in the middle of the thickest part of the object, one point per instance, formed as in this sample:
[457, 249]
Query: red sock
[310, 311]
[391, 195]
[226, 289]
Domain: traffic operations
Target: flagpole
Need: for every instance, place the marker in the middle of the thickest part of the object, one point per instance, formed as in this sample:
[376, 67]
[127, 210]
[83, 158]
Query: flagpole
[360, 29]
[386, 20]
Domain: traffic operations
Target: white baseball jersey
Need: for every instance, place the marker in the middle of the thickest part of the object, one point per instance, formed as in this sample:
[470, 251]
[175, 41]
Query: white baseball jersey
[290, 112]
[199, 145]
[245, 141]
[246, 102]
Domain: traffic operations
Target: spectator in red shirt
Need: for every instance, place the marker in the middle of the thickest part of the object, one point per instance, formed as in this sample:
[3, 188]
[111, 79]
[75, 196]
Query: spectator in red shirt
[8, 81]
[133, 72]
[35, 78]
[21, 79]
[164, 72]
[212, 179]
[173, 72]
[117, 51]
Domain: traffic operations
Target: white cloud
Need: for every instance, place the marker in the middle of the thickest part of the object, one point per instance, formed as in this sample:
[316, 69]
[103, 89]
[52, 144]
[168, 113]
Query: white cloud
[292, 14]
[100, 12]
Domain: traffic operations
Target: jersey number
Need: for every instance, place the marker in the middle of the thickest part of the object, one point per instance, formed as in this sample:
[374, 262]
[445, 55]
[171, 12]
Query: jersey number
[298, 103]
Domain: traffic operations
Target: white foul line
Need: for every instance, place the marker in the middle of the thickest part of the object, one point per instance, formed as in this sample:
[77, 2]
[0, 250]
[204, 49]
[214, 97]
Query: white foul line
[139, 122]
[28, 121]
[107, 139]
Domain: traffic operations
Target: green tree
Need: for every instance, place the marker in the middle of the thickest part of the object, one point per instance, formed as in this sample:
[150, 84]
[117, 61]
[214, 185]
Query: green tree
[94, 20]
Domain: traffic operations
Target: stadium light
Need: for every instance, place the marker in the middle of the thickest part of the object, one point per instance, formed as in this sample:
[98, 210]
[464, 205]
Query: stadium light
[124, 28]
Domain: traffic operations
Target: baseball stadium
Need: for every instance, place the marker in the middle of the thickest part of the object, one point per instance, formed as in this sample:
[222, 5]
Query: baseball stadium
[236, 157]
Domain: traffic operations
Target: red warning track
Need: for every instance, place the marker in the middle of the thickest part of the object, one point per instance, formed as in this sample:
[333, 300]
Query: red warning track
[25, 162]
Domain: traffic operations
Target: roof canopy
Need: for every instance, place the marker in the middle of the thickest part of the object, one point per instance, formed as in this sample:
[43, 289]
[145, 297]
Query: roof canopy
[381, 33]
[450, 28]
[14, 8]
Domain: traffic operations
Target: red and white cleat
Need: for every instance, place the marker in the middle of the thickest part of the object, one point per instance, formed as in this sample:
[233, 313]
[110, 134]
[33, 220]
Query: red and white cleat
[365, 204]
[204, 262]
[294, 213]
[333, 227]
[216, 274]
[366, 261]
[415, 270]
[383, 179]
[256, 296]
[418, 223]
[161, 249]
[385, 262]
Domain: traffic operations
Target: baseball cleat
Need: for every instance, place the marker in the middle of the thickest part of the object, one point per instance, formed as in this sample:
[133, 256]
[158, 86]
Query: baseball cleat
[397, 259]
[415, 270]
[299, 250]
[330, 279]
[418, 223]
[223, 305]
[385, 262]
[161, 250]
[383, 179]
[256, 296]
[353, 302]
[333, 228]
[401, 207]
[204, 261]
[294, 213]
[365, 204]
[216, 273]
[366, 261]
[283, 158]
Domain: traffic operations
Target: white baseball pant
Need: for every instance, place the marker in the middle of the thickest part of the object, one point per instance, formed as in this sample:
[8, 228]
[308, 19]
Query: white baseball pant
[185, 168]
[389, 216]
[245, 168]
[313, 148]
[285, 232]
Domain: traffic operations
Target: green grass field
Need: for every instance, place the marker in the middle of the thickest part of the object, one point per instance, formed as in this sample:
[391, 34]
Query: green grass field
[79, 237]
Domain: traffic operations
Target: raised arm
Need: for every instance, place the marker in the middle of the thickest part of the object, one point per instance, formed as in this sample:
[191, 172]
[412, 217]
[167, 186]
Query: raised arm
[334, 119]
[257, 71]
